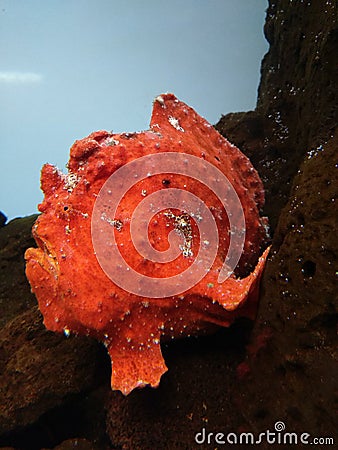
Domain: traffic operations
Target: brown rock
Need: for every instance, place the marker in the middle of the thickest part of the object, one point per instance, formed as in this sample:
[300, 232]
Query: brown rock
[298, 310]
[39, 369]
[43, 375]
[78, 444]
[15, 295]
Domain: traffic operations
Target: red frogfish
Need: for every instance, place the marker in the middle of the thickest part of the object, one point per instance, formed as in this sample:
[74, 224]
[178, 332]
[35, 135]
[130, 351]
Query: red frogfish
[150, 236]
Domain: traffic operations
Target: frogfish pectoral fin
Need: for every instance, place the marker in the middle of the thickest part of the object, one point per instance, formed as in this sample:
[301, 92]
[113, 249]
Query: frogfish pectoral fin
[136, 364]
